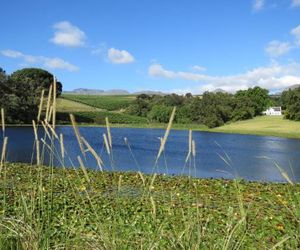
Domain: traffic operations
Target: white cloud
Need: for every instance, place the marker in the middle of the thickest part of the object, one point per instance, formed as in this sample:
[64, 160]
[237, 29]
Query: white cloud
[295, 3]
[273, 77]
[57, 63]
[119, 56]
[276, 48]
[198, 68]
[51, 63]
[296, 33]
[68, 35]
[258, 5]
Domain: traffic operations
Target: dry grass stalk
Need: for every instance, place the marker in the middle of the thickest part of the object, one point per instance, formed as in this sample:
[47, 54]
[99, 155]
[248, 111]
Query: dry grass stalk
[50, 113]
[93, 152]
[62, 148]
[3, 121]
[165, 138]
[142, 177]
[193, 148]
[37, 143]
[52, 130]
[190, 146]
[3, 154]
[106, 144]
[83, 169]
[77, 134]
[108, 132]
[45, 129]
[49, 102]
[41, 106]
[153, 207]
[54, 103]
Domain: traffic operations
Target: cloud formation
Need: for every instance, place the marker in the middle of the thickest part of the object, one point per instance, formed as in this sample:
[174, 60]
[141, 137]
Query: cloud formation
[119, 56]
[68, 35]
[273, 77]
[258, 5]
[198, 68]
[277, 48]
[295, 3]
[51, 63]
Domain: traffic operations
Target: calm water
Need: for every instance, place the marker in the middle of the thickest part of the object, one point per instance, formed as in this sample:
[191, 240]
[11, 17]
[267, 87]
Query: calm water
[250, 157]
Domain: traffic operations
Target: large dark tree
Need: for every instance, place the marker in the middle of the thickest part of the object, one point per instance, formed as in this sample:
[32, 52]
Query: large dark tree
[20, 93]
[38, 78]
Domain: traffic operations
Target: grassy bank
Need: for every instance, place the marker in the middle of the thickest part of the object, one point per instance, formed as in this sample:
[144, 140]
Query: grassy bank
[264, 125]
[41, 208]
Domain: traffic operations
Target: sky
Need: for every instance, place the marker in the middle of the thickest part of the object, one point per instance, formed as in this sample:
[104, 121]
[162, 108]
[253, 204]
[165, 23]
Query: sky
[164, 45]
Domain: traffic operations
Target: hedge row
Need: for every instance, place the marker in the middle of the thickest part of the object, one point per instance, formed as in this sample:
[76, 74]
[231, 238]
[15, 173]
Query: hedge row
[98, 117]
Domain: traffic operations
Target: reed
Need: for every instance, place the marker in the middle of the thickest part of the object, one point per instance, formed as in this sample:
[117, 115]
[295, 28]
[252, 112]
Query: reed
[3, 122]
[165, 138]
[93, 152]
[83, 168]
[62, 147]
[108, 132]
[41, 105]
[106, 143]
[37, 143]
[54, 103]
[48, 103]
[3, 154]
[77, 134]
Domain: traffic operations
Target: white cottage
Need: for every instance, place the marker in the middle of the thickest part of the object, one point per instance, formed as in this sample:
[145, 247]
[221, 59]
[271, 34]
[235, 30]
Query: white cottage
[273, 111]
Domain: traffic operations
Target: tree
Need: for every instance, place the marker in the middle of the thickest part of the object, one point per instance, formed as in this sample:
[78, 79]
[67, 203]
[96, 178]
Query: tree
[38, 78]
[291, 102]
[259, 97]
[160, 113]
[20, 93]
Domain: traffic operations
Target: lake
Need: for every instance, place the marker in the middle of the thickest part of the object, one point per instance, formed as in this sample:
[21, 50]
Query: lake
[218, 155]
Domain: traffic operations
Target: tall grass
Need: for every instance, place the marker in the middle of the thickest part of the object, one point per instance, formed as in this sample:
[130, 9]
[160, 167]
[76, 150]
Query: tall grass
[49, 208]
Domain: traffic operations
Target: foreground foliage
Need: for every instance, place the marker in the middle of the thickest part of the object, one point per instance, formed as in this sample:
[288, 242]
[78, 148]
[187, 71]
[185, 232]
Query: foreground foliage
[42, 207]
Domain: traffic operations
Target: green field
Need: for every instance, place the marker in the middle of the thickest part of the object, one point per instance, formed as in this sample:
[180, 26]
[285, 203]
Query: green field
[49, 208]
[65, 105]
[263, 125]
[110, 103]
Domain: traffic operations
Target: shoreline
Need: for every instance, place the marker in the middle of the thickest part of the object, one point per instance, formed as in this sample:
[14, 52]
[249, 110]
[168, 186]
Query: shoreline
[194, 127]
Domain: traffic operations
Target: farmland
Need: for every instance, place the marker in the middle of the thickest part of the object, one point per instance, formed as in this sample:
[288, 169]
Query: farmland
[110, 103]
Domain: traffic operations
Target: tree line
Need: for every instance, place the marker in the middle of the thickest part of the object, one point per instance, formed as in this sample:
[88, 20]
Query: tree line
[20, 93]
[214, 109]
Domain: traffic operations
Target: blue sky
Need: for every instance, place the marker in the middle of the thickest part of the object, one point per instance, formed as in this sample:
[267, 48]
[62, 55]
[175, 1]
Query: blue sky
[169, 45]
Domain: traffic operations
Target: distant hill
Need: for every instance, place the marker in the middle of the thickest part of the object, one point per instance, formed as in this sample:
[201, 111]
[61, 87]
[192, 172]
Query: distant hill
[83, 91]
[149, 92]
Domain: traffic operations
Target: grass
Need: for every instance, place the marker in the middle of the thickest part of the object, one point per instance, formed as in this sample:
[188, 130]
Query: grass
[44, 207]
[65, 105]
[110, 103]
[57, 208]
[263, 125]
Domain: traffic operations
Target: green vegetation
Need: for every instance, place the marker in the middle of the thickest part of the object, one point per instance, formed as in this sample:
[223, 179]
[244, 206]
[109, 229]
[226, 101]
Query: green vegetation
[212, 109]
[110, 103]
[291, 102]
[44, 208]
[65, 105]
[98, 117]
[263, 125]
[21, 93]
